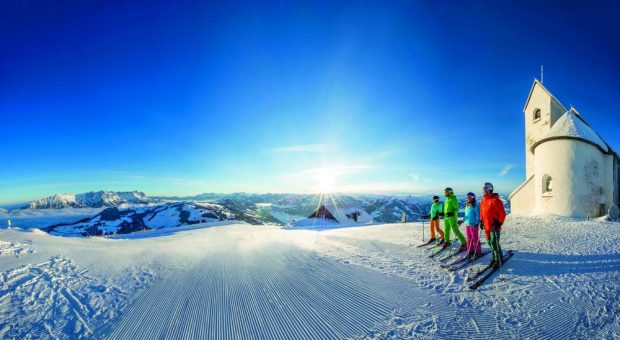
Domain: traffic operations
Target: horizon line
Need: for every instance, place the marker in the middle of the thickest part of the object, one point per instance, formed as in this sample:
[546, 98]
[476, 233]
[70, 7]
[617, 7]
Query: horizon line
[10, 203]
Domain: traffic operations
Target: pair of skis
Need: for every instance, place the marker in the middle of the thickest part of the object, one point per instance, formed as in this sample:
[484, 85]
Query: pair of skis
[441, 250]
[483, 274]
[430, 242]
[479, 277]
[457, 261]
[451, 255]
[462, 262]
[437, 252]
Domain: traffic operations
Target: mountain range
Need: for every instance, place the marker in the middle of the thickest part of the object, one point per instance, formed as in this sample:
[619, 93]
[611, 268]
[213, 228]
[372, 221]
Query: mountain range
[168, 215]
[93, 199]
[132, 211]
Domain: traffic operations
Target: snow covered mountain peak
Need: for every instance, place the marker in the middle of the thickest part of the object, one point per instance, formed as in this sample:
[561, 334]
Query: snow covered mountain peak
[91, 199]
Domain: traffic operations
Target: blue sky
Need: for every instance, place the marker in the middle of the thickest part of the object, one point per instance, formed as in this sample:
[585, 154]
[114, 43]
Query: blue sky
[190, 97]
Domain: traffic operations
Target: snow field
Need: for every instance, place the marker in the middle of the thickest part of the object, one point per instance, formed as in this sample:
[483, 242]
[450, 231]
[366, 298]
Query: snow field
[559, 284]
[242, 281]
[56, 299]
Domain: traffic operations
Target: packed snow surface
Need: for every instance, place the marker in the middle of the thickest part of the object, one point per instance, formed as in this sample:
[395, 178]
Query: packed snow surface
[244, 281]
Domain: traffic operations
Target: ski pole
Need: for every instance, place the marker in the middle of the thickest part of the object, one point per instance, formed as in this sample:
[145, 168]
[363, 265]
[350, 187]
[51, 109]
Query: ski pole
[478, 230]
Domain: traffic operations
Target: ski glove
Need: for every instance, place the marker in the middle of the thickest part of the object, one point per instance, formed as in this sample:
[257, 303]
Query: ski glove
[441, 214]
[481, 225]
[436, 218]
[496, 225]
[459, 222]
[450, 214]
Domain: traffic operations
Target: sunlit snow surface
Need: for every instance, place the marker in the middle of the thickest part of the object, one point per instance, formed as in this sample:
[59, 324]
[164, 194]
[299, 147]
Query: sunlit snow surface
[244, 281]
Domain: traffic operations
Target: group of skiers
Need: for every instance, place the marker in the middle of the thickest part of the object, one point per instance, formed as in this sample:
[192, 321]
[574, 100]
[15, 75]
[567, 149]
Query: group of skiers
[489, 216]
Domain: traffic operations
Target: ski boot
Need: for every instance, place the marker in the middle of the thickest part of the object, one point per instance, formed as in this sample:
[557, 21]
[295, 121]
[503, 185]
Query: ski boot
[498, 263]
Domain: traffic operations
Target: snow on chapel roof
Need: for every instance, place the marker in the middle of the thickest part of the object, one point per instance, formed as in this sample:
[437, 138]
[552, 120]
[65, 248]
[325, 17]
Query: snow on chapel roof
[572, 126]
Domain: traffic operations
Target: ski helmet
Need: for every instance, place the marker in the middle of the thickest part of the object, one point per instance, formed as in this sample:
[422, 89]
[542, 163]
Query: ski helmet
[449, 190]
[470, 199]
[435, 197]
[487, 186]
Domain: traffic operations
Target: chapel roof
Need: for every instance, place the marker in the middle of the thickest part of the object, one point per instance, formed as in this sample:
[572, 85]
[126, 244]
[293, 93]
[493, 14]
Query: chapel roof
[572, 126]
[535, 84]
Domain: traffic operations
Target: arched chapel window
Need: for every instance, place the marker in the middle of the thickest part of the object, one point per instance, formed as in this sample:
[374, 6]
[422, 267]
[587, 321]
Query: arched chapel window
[537, 114]
[547, 184]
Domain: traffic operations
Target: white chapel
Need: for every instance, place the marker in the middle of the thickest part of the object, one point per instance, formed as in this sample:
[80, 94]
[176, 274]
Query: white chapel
[570, 169]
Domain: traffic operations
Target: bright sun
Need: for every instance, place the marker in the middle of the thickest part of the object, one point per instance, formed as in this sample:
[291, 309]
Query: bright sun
[325, 181]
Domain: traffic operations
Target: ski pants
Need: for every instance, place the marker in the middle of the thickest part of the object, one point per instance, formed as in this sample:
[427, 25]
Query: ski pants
[493, 240]
[473, 241]
[435, 225]
[451, 225]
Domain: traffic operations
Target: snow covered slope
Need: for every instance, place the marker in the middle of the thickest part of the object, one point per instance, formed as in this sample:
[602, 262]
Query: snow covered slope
[90, 200]
[129, 220]
[168, 215]
[241, 281]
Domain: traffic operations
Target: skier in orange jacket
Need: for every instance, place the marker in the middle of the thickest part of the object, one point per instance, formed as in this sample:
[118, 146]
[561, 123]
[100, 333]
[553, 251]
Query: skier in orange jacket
[492, 216]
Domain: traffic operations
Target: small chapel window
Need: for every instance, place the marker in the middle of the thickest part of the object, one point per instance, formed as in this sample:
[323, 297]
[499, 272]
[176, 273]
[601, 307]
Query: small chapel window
[537, 114]
[547, 185]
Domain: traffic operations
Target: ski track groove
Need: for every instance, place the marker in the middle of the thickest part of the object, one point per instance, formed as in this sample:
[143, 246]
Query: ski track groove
[225, 297]
[236, 298]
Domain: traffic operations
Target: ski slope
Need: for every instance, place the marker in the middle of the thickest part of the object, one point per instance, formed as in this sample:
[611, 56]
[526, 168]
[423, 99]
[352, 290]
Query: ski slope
[244, 281]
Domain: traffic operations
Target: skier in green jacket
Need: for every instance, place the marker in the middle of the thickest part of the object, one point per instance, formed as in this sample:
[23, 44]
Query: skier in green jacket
[451, 214]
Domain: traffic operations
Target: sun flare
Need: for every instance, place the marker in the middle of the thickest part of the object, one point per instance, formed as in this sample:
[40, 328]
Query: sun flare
[325, 181]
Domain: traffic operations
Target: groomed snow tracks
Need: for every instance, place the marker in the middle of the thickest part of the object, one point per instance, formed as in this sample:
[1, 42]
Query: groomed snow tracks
[281, 294]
